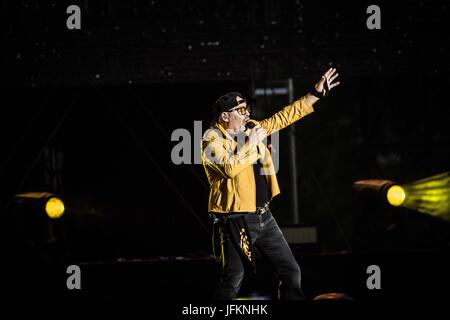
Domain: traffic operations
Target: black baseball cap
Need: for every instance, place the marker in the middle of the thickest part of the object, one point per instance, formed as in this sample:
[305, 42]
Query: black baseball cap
[227, 102]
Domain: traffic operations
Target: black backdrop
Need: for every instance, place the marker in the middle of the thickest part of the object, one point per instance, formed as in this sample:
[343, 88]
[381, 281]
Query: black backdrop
[99, 105]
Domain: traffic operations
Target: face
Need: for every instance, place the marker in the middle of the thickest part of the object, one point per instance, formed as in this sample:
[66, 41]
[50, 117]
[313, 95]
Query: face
[235, 119]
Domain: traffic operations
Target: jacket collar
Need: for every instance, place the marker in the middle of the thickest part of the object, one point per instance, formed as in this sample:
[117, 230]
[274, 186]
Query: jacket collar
[225, 132]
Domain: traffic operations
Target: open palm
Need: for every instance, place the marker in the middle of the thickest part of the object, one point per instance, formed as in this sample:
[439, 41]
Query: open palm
[326, 82]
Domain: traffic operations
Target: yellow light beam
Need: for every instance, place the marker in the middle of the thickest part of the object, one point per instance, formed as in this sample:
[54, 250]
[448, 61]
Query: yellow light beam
[430, 195]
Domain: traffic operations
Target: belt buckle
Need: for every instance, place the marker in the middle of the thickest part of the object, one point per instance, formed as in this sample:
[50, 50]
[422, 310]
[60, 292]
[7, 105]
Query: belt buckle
[263, 209]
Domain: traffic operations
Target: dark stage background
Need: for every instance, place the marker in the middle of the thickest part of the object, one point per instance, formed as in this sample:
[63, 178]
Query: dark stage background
[88, 114]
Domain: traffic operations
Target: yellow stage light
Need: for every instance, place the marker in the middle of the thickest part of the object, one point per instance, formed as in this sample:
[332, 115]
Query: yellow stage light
[54, 208]
[36, 216]
[430, 195]
[396, 195]
[42, 202]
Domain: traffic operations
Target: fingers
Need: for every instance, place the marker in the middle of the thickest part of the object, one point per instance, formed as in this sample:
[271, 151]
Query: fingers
[329, 77]
[258, 134]
[334, 85]
[329, 73]
[260, 131]
[333, 77]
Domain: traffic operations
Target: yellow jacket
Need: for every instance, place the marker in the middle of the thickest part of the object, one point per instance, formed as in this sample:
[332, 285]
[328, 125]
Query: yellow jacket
[230, 170]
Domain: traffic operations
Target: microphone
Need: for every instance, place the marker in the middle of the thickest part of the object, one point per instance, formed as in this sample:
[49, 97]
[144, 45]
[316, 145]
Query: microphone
[249, 125]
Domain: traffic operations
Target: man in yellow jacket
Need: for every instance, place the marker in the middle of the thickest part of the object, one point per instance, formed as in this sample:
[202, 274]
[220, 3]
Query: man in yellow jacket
[242, 179]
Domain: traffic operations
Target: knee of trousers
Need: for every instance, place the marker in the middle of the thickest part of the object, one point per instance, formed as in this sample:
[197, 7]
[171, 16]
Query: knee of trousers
[293, 275]
[233, 277]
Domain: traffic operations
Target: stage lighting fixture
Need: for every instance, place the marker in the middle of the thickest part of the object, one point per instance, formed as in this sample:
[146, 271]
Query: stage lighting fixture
[395, 195]
[54, 208]
[34, 218]
[430, 196]
[380, 190]
[43, 202]
[333, 296]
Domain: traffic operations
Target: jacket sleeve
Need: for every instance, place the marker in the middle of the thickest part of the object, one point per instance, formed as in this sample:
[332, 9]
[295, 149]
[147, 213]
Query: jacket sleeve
[286, 116]
[228, 164]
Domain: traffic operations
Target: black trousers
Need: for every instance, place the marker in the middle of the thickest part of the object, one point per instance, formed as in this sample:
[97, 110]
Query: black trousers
[267, 237]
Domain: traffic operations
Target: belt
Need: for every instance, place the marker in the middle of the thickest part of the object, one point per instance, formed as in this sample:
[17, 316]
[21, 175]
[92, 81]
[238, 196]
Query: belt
[259, 211]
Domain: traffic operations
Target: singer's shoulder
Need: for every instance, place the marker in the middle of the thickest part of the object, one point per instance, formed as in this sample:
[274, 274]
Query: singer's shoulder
[212, 133]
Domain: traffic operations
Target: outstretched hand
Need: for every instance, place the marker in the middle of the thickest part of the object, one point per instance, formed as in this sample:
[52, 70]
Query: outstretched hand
[326, 82]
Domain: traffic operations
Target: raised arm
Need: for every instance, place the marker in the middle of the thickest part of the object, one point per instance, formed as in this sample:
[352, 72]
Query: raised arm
[303, 106]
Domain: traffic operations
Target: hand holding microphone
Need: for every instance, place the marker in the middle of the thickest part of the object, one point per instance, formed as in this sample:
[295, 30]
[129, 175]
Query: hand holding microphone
[257, 133]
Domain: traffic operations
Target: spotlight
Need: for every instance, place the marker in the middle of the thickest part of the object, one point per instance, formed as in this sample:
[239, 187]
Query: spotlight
[54, 208]
[430, 196]
[43, 202]
[35, 217]
[396, 195]
[379, 191]
[333, 296]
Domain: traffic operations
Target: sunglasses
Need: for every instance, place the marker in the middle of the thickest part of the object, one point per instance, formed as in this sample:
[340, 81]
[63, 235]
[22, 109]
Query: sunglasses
[242, 110]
